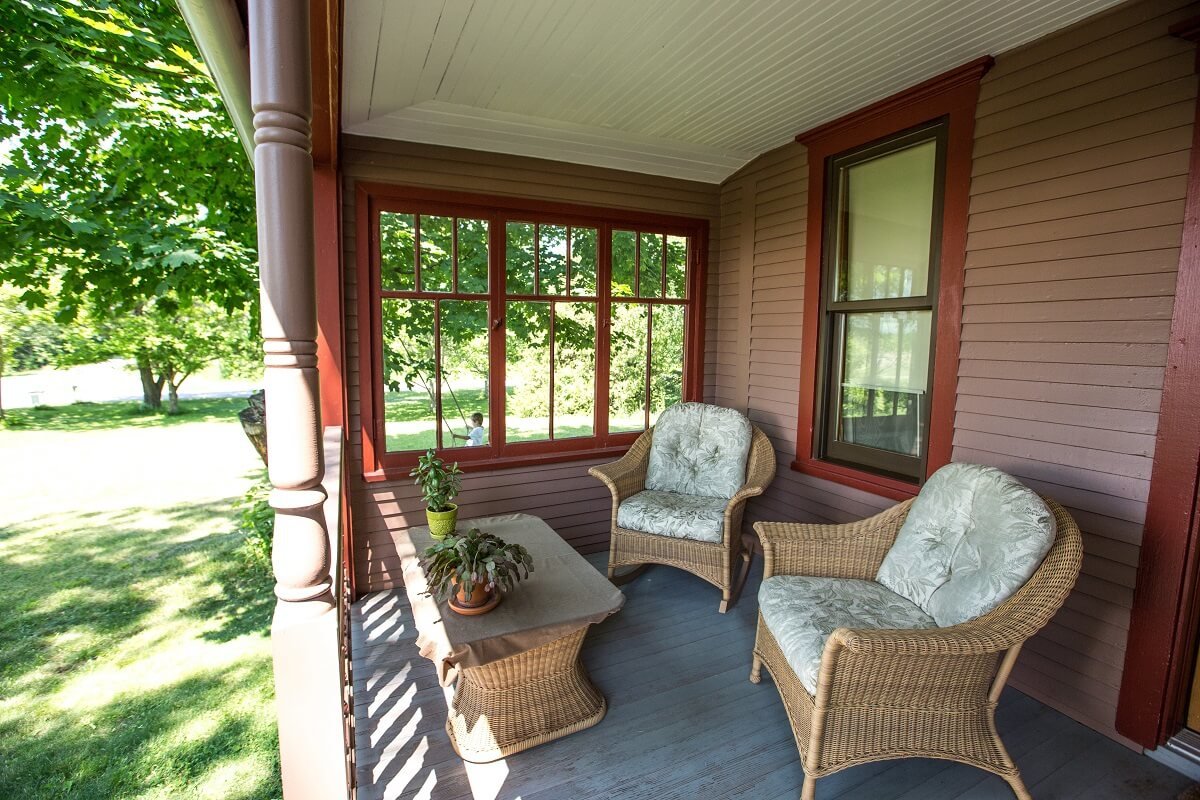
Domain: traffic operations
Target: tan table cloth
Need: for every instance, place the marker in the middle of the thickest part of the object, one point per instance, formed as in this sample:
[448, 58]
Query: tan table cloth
[563, 594]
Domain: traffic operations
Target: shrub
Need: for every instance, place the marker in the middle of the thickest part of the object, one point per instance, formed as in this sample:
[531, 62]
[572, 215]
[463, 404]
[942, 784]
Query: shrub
[256, 521]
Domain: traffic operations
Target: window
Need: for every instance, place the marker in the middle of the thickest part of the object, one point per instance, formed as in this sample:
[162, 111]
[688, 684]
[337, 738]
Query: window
[888, 191]
[504, 332]
[878, 298]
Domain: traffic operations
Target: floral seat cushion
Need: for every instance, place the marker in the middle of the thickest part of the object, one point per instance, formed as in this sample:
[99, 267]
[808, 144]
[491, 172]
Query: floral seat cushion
[973, 536]
[682, 516]
[802, 612]
[698, 449]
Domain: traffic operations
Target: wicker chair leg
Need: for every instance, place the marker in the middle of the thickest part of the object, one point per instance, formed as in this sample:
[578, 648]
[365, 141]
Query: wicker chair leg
[1018, 787]
[725, 595]
[756, 669]
[809, 790]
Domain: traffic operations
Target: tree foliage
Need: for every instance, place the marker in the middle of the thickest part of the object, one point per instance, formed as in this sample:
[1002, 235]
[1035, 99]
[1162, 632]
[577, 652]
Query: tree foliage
[167, 342]
[123, 179]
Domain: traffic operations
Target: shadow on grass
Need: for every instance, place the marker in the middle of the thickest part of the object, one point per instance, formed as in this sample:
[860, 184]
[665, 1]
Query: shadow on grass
[146, 741]
[112, 416]
[79, 587]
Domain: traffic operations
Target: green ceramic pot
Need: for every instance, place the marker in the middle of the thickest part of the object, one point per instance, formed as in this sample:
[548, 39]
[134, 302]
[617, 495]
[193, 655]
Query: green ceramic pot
[441, 523]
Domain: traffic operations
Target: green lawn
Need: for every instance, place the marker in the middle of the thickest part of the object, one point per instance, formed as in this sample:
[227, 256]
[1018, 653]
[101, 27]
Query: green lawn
[410, 425]
[134, 650]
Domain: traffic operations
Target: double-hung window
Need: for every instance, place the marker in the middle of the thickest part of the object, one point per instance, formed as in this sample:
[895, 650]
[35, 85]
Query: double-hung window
[888, 192]
[505, 332]
[878, 300]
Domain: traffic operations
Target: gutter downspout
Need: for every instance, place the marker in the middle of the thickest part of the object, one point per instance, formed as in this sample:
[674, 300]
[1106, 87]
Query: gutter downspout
[219, 33]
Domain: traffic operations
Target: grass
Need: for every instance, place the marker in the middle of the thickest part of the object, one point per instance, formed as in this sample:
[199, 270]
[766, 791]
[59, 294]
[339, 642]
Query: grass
[409, 426]
[134, 649]
[114, 416]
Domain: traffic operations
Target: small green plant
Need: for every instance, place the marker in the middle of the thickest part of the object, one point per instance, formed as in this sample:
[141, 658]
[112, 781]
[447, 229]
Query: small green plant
[439, 482]
[462, 561]
[256, 520]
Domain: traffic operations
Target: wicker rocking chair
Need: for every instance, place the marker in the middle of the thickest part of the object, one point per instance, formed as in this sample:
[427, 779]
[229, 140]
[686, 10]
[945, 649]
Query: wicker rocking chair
[713, 552]
[877, 692]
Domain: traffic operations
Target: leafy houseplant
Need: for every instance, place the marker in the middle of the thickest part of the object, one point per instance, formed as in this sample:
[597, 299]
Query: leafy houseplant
[439, 485]
[471, 566]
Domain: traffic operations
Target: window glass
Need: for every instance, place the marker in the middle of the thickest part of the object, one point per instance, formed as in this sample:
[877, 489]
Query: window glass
[520, 258]
[472, 256]
[409, 382]
[888, 204]
[666, 362]
[583, 262]
[627, 367]
[885, 376]
[677, 266]
[624, 263]
[650, 273]
[437, 253]
[527, 372]
[397, 253]
[574, 369]
[552, 259]
[463, 347]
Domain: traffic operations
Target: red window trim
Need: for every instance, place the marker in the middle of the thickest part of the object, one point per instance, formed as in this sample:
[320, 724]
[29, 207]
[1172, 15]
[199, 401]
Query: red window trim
[952, 95]
[1161, 652]
[371, 198]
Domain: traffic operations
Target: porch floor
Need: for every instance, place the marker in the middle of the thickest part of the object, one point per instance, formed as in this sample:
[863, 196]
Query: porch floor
[684, 721]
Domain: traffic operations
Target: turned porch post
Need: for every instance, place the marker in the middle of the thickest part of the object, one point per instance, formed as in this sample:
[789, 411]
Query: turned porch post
[304, 631]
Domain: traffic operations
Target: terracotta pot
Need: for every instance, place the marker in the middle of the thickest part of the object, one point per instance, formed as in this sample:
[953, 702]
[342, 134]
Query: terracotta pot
[441, 523]
[481, 600]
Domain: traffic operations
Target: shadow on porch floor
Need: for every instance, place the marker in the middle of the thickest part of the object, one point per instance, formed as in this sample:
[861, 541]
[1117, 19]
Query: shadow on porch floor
[684, 721]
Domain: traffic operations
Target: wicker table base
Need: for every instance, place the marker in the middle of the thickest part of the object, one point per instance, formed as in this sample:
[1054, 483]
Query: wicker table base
[522, 701]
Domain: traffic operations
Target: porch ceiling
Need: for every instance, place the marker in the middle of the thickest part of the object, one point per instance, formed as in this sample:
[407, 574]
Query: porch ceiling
[685, 88]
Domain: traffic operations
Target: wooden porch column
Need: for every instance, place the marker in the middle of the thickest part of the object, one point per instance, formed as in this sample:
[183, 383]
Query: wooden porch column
[304, 632]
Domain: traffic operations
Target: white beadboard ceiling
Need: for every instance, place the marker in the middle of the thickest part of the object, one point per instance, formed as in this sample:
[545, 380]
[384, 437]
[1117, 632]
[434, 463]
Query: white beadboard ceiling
[685, 88]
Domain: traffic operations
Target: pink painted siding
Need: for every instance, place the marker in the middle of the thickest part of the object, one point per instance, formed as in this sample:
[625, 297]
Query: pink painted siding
[573, 503]
[1079, 175]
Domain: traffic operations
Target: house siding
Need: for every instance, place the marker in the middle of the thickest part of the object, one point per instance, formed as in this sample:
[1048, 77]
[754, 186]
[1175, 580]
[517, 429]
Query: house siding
[1078, 181]
[1080, 171]
[573, 503]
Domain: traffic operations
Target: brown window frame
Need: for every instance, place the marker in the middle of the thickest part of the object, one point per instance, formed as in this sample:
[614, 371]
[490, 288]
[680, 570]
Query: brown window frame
[834, 312]
[951, 99]
[374, 198]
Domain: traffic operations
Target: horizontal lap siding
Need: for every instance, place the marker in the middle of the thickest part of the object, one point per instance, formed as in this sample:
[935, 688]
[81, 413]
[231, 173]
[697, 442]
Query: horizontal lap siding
[573, 503]
[1078, 184]
[1078, 181]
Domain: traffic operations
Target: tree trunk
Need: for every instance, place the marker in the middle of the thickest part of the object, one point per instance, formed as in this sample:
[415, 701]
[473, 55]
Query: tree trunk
[172, 398]
[151, 388]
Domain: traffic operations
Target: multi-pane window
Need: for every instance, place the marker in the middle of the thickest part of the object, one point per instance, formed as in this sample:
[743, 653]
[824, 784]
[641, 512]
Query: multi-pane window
[505, 333]
[879, 289]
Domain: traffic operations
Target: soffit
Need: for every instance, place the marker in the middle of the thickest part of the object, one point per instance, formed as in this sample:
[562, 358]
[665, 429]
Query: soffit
[685, 88]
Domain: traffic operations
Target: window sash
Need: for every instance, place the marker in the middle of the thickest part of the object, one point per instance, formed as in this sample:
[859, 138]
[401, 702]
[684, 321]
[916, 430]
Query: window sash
[834, 312]
[497, 296]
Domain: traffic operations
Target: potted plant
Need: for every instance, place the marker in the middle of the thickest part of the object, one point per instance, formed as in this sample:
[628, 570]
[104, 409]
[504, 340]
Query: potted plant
[439, 485]
[470, 568]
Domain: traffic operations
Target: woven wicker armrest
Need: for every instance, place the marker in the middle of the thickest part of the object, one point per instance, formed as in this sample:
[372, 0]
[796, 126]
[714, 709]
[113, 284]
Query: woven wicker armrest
[626, 476]
[970, 638]
[852, 550]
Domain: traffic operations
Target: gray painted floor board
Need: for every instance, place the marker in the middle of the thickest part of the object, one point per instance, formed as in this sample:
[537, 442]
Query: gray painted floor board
[685, 722]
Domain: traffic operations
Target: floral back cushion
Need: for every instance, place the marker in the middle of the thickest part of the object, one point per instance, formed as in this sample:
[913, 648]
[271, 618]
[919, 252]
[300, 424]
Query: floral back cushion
[699, 449]
[973, 536]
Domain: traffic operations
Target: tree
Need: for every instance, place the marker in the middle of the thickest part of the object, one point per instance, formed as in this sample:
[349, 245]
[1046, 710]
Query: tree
[167, 341]
[122, 178]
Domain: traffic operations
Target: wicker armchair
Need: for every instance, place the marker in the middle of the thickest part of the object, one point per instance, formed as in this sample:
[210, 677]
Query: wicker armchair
[713, 561]
[885, 694]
